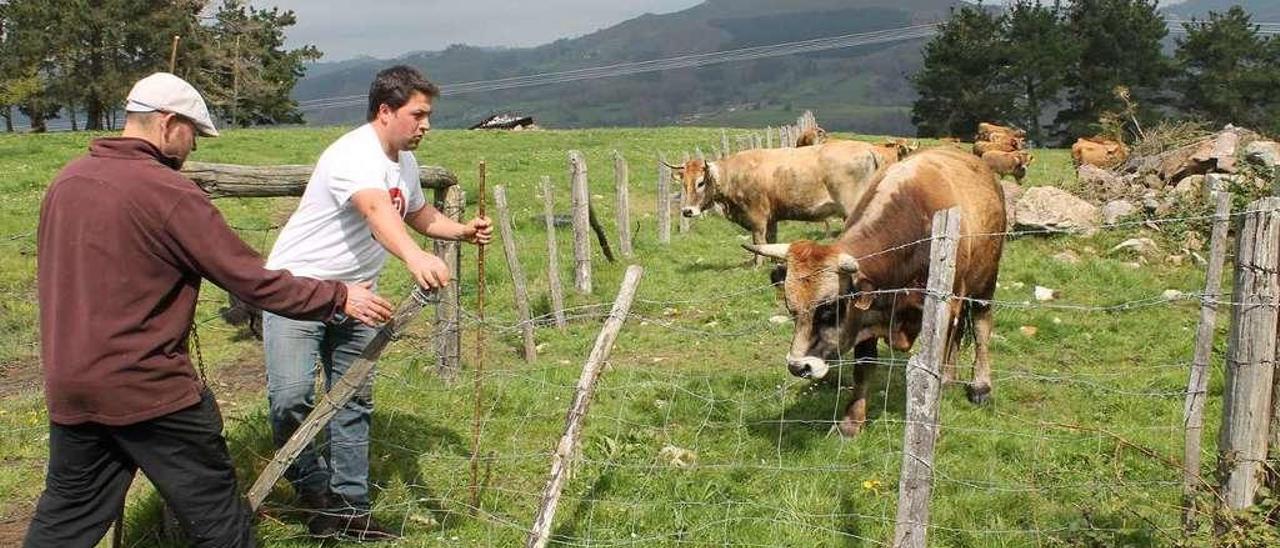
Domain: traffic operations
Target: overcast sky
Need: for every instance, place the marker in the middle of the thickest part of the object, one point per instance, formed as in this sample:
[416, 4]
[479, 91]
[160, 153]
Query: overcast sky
[388, 28]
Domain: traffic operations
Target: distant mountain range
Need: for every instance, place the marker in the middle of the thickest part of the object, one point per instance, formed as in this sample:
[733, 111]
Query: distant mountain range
[862, 88]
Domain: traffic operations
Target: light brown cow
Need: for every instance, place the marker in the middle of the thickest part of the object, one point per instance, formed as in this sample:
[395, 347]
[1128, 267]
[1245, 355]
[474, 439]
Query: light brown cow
[987, 130]
[1000, 142]
[811, 136]
[868, 284]
[1009, 163]
[757, 188]
[1099, 151]
[894, 150]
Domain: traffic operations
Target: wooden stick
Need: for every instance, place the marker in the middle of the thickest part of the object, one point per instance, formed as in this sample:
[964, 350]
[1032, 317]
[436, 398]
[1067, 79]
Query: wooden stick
[517, 272]
[924, 386]
[581, 200]
[621, 180]
[1193, 410]
[553, 258]
[173, 54]
[664, 201]
[342, 392]
[1251, 354]
[683, 223]
[477, 418]
[561, 460]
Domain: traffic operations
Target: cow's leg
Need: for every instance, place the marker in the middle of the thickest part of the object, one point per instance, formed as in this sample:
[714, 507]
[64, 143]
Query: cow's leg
[855, 414]
[979, 391]
[952, 349]
[759, 236]
[771, 232]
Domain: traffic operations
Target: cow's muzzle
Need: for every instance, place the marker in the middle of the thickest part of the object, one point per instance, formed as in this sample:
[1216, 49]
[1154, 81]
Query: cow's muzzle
[691, 211]
[807, 367]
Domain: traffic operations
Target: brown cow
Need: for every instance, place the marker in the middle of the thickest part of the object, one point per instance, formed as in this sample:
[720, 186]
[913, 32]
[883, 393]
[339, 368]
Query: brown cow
[1000, 142]
[894, 150]
[868, 284]
[811, 136]
[987, 130]
[1099, 151]
[757, 188]
[1009, 163]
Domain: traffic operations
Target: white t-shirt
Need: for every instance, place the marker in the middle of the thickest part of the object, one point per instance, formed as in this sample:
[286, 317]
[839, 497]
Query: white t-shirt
[326, 238]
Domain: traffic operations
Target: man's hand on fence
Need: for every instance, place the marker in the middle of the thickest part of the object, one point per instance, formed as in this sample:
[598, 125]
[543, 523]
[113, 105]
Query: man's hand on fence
[428, 270]
[365, 305]
[478, 231]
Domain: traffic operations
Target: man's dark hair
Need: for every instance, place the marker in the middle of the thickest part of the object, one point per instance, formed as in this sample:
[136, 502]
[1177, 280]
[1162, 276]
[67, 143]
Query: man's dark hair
[394, 86]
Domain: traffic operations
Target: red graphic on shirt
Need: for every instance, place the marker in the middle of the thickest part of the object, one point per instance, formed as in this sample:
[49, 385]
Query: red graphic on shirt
[397, 199]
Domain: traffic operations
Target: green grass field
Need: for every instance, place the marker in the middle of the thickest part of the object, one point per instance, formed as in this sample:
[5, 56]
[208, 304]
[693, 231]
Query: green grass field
[1053, 460]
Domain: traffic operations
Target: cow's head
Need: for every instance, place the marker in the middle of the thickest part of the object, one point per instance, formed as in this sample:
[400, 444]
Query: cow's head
[697, 179]
[818, 284]
[811, 137]
[1022, 160]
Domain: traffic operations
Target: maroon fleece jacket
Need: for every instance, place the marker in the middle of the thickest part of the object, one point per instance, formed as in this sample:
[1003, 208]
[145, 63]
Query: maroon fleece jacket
[123, 243]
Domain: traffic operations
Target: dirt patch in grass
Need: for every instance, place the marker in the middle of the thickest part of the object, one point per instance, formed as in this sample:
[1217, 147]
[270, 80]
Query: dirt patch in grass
[20, 376]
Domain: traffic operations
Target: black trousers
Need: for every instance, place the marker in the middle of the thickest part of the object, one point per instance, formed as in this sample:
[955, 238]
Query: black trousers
[182, 453]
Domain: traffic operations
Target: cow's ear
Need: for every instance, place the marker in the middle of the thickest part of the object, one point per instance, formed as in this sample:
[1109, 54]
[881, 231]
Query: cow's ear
[865, 294]
[778, 275]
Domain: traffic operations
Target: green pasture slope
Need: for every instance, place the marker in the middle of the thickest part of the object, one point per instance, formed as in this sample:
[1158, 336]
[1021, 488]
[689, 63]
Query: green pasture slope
[1053, 460]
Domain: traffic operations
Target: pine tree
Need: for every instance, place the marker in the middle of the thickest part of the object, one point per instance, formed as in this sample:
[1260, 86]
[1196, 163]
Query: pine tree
[1040, 52]
[1229, 73]
[1119, 44]
[960, 83]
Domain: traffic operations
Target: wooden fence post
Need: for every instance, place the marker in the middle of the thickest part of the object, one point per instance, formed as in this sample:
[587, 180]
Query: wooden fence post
[448, 332]
[664, 201]
[768, 137]
[517, 272]
[1193, 409]
[1251, 353]
[684, 221]
[553, 258]
[343, 389]
[561, 460]
[924, 385]
[621, 182]
[581, 196]
[724, 143]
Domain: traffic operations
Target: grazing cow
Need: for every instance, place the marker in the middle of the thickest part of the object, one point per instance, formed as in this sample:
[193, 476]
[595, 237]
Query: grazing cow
[1099, 151]
[894, 150]
[811, 136]
[868, 285]
[757, 188]
[1000, 142]
[1009, 163]
[987, 131]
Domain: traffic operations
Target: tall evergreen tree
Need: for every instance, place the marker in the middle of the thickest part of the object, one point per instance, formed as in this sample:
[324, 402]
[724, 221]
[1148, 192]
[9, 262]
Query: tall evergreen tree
[960, 83]
[1119, 44]
[1040, 52]
[1229, 73]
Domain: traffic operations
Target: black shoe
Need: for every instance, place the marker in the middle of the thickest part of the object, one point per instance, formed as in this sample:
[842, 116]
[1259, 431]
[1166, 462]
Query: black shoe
[350, 525]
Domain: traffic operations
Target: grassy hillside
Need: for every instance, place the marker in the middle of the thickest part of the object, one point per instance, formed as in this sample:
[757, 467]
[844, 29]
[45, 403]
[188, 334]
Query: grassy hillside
[1072, 450]
[847, 80]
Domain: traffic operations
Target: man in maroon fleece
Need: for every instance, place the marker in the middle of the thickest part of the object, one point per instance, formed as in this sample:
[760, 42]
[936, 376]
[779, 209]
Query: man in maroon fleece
[123, 243]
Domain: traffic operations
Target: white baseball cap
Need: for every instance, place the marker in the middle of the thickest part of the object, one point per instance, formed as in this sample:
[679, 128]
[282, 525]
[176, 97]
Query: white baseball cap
[165, 92]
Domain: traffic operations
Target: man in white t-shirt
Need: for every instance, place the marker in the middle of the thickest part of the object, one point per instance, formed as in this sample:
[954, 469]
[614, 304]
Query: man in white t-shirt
[362, 194]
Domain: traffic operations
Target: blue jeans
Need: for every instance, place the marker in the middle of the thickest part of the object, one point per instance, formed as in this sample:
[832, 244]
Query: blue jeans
[293, 348]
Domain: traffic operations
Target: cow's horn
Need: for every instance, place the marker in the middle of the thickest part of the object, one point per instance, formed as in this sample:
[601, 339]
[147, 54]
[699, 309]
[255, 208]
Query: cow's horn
[675, 167]
[847, 264]
[776, 251]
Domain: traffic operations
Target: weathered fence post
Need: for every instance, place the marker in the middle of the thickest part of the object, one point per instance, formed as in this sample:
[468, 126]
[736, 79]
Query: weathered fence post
[621, 181]
[664, 201]
[581, 197]
[684, 221]
[343, 389]
[924, 385]
[768, 137]
[1193, 410]
[553, 258]
[724, 143]
[517, 272]
[448, 333]
[1251, 353]
[561, 460]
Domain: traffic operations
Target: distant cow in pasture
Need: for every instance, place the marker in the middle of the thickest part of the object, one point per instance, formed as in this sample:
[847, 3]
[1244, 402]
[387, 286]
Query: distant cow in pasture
[846, 296]
[757, 188]
[1009, 163]
[1099, 151]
